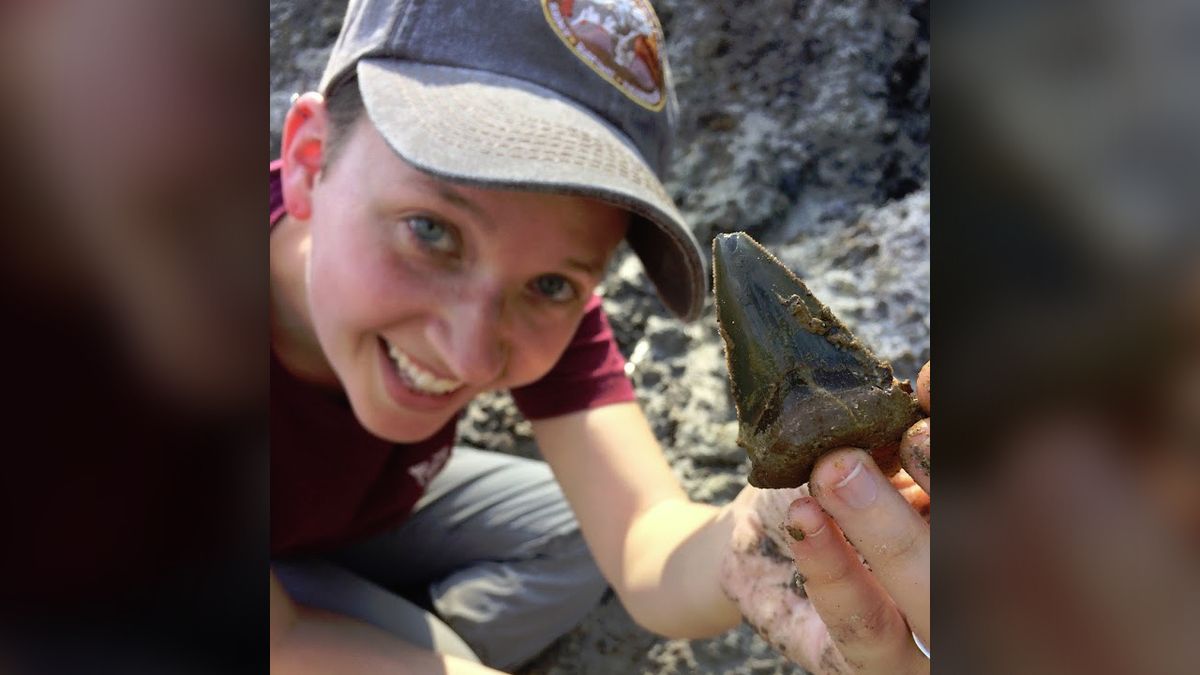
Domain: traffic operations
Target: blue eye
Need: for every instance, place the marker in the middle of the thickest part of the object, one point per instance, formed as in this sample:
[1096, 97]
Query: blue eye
[554, 287]
[432, 234]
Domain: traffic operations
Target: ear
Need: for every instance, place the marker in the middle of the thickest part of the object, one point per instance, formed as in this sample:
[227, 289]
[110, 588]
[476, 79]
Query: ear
[303, 152]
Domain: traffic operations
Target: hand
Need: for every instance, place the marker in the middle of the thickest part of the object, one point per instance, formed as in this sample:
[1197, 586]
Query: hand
[829, 612]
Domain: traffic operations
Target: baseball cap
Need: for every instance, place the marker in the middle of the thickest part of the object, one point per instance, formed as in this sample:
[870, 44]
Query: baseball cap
[564, 96]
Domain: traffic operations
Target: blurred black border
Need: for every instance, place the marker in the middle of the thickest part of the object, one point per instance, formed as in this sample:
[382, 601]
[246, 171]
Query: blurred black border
[135, 522]
[1037, 306]
[1065, 158]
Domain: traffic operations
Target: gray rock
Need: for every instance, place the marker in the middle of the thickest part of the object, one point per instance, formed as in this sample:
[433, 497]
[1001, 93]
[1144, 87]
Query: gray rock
[794, 112]
[874, 274]
[492, 422]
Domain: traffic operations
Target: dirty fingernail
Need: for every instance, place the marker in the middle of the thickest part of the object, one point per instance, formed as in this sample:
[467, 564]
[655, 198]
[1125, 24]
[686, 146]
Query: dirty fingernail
[798, 581]
[915, 446]
[858, 487]
[805, 519]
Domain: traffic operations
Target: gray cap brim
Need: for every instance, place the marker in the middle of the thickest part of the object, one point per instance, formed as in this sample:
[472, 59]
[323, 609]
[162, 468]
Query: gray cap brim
[491, 130]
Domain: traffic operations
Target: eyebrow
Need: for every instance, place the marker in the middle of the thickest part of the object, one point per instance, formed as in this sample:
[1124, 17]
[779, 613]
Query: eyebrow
[460, 200]
[593, 269]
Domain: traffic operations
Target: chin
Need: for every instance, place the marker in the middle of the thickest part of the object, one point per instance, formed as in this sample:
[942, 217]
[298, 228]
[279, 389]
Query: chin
[383, 416]
[399, 428]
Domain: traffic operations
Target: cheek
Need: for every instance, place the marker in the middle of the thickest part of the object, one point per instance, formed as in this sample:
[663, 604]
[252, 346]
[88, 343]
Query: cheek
[541, 346]
[329, 282]
[353, 286]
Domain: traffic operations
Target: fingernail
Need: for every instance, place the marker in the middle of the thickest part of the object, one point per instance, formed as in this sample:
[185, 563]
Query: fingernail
[858, 488]
[805, 519]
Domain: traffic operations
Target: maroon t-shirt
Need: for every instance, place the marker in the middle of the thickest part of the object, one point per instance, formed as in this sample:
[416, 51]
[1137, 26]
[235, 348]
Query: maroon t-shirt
[333, 482]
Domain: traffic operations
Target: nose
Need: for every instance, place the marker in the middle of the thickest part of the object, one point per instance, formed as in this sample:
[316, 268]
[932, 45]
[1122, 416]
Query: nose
[472, 339]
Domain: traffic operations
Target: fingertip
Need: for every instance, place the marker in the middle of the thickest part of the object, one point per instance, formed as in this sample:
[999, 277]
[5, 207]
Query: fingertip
[835, 465]
[914, 452]
[915, 440]
[838, 455]
[923, 387]
[805, 519]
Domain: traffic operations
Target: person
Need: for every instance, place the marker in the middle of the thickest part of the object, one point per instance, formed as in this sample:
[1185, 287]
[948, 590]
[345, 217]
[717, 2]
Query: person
[442, 213]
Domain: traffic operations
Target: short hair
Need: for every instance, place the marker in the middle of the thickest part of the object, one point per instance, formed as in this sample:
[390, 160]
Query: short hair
[345, 107]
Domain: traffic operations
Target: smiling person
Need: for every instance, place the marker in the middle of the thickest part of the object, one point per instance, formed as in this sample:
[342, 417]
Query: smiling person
[441, 215]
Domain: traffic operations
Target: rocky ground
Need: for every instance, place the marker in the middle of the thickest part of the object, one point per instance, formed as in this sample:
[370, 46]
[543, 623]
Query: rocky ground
[803, 122]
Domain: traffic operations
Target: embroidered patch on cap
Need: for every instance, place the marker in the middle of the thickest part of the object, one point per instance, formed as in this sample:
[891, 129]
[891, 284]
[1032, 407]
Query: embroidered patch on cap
[620, 39]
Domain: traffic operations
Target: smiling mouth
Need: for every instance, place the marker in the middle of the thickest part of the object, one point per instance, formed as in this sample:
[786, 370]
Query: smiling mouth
[417, 378]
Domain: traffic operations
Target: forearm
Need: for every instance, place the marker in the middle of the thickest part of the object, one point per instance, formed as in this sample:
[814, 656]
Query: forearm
[661, 553]
[673, 558]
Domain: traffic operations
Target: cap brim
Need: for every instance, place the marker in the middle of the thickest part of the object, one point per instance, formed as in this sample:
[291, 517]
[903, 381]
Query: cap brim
[491, 130]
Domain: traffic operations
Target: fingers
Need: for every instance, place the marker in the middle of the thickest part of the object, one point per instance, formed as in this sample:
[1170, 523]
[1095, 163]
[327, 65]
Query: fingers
[923, 387]
[762, 580]
[914, 446]
[914, 453]
[862, 620]
[912, 493]
[889, 534]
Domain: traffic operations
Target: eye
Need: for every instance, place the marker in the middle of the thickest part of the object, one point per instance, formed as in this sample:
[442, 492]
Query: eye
[432, 234]
[554, 287]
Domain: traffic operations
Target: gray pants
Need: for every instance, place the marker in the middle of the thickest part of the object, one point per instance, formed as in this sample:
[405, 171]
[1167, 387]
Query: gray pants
[492, 548]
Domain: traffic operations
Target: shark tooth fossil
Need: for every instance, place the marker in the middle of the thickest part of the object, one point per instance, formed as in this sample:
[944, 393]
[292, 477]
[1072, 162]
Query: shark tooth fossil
[802, 383]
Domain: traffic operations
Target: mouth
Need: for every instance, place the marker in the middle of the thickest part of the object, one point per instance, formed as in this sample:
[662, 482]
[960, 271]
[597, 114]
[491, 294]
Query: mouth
[416, 378]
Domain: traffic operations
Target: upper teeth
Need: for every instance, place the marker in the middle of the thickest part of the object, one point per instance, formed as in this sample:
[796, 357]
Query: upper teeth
[419, 378]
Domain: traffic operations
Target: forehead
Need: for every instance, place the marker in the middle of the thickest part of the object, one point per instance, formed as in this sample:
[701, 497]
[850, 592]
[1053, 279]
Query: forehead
[369, 167]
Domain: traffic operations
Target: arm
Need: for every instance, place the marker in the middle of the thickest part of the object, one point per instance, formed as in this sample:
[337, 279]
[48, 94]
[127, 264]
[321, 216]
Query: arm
[305, 640]
[669, 559]
[661, 552]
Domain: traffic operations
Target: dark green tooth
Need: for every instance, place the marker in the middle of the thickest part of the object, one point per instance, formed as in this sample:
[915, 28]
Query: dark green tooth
[801, 382]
